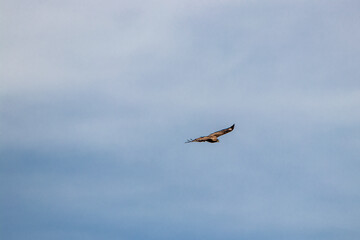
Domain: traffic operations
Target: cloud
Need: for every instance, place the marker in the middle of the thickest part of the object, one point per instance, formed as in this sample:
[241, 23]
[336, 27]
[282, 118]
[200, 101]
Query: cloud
[100, 96]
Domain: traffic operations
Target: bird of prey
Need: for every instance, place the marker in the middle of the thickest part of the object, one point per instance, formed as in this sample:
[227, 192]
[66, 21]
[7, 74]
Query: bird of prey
[212, 138]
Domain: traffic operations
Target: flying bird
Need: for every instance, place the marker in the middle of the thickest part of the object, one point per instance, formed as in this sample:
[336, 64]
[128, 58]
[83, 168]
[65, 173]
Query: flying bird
[212, 138]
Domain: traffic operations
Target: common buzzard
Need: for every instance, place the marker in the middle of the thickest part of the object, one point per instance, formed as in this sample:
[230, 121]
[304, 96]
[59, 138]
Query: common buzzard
[212, 138]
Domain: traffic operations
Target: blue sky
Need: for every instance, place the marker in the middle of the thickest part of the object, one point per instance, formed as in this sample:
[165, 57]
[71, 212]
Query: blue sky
[98, 98]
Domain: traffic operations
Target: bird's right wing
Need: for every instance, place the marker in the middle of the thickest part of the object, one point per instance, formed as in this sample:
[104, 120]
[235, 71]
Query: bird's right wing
[200, 139]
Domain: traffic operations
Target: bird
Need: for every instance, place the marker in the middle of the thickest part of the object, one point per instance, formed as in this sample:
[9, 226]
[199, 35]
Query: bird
[212, 138]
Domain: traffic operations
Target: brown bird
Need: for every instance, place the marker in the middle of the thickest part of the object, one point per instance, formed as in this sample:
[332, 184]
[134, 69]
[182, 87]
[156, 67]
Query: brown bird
[212, 138]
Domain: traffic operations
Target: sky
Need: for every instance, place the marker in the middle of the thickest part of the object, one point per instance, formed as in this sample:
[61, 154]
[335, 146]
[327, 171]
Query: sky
[98, 97]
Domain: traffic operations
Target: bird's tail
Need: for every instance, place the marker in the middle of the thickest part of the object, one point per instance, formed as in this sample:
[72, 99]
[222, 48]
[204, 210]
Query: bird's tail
[189, 140]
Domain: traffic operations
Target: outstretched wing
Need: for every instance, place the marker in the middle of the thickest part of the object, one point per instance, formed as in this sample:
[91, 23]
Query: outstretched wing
[200, 139]
[223, 131]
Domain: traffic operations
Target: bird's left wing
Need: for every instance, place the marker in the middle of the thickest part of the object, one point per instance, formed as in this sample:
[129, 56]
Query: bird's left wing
[223, 131]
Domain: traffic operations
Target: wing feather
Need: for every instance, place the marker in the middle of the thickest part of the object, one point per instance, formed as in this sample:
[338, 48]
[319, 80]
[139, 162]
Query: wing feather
[223, 131]
[200, 139]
